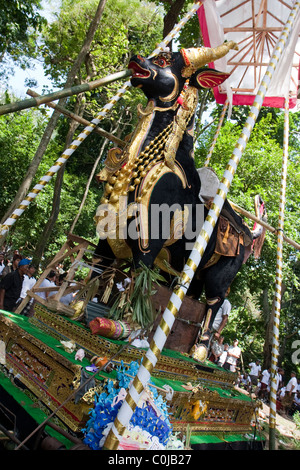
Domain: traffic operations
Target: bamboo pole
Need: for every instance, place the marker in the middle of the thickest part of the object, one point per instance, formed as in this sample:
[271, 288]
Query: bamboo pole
[278, 282]
[80, 119]
[149, 360]
[264, 224]
[56, 95]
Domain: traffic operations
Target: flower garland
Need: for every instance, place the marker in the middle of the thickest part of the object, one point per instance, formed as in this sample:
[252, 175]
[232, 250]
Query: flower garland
[149, 427]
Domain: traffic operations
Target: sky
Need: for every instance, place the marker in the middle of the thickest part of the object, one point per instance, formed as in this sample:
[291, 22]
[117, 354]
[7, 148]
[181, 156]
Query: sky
[17, 82]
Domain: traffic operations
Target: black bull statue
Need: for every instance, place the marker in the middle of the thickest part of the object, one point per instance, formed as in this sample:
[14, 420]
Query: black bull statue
[157, 170]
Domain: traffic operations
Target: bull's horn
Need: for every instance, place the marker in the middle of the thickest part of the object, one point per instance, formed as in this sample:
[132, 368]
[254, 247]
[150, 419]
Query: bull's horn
[194, 58]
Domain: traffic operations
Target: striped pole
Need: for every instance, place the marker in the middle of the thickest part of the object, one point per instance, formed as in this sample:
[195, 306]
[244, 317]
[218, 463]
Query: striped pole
[9, 222]
[4, 229]
[149, 360]
[278, 282]
[206, 163]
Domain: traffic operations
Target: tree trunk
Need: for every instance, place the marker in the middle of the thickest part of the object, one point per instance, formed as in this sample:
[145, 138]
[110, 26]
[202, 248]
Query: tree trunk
[172, 16]
[25, 185]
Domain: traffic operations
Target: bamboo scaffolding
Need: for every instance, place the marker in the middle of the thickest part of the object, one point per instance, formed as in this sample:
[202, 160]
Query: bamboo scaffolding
[80, 119]
[122, 143]
[56, 95]
[159, 339]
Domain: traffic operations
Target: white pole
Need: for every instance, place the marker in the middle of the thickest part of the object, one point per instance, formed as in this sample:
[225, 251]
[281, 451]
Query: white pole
[278, 282]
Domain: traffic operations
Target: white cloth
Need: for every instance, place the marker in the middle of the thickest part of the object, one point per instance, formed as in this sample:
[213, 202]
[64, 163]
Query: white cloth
[223, 310]
[297, 400]
[217, 19]
[282, 392]
[265, 377]
[67, 299]
[254, 369]
[278, 379]
[292, 382]
[222, 358]
[236, 351]
[45, 283]
[28, 283]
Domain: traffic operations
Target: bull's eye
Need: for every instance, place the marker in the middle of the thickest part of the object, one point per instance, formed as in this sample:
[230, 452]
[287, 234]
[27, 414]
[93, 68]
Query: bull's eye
[162, 61]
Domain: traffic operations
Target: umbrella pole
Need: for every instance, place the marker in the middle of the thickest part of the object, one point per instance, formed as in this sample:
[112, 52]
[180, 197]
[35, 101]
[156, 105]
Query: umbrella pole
[278, 283]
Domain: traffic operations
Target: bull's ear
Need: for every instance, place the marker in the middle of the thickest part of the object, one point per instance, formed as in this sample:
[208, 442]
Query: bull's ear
[208, 78]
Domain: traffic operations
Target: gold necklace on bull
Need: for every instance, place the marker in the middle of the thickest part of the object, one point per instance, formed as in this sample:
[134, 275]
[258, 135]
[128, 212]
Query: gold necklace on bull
[161, 150]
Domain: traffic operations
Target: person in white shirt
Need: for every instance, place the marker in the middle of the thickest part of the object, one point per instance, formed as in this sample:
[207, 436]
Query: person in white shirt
[223, 356]
[255, 369]
[264, 383]
[221, 318]
[292, 384]
[296, 402]
[233, 355]
[2, 263]
[290, 392]
[65, 299]
[48, 282]
[28, 281]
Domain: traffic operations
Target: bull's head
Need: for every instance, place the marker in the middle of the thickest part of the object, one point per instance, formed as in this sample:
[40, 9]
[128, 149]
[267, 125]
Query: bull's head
[163, 77]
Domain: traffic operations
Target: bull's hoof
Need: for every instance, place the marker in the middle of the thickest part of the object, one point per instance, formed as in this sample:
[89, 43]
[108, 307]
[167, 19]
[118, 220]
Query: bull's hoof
[200, 353]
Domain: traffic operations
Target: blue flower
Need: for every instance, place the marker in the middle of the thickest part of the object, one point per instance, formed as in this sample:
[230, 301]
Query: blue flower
[145, 417]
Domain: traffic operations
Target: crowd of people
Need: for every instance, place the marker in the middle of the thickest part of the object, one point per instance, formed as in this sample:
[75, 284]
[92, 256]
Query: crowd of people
[17, 277]
[258, 381]
[254, 380]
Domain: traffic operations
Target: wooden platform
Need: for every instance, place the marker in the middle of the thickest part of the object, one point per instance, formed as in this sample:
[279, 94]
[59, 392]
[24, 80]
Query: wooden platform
[203, 394]
[204, 397]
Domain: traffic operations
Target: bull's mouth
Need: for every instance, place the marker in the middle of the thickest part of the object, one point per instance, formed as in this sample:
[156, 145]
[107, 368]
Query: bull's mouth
[138, 71]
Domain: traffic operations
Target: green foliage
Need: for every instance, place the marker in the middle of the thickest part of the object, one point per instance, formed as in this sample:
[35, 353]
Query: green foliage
[20, 23]
[296, 419]
[125, 29]
[136, 299]
[20, 135]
